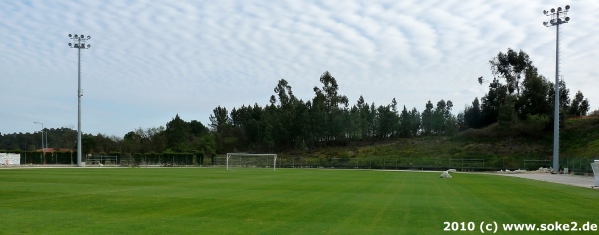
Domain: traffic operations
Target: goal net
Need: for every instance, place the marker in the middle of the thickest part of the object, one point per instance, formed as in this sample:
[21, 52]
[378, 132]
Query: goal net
[101, 160]
[266, 160]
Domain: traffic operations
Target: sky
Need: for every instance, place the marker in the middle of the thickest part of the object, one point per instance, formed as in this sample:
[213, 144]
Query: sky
[152, 60]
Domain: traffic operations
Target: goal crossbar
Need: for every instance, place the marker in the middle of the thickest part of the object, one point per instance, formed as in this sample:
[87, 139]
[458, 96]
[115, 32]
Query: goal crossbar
[254, 154]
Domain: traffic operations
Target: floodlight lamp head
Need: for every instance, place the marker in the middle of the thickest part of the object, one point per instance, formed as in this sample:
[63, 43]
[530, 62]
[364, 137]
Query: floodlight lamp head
[567, 7]
[70, 44]
[89, 37]
[559, 9]
[70, 35]
[76, 36]
[552, 11]
[545, 12]
[544, 24]
[567, 19]
[82, 36]
[88, 46]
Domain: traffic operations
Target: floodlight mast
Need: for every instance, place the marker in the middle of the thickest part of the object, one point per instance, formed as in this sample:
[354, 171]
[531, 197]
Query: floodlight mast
[79, 42]
[557, 17]
[43, 147]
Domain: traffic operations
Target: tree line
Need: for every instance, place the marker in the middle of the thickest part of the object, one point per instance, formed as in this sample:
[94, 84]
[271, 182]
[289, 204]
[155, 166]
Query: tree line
[518, 98]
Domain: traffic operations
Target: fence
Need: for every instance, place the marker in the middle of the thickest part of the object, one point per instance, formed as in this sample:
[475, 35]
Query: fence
[70, 158]
[433, 163]
[49, 158]
[158, 159]
[574, 164]
[578, 164]
[536, 164]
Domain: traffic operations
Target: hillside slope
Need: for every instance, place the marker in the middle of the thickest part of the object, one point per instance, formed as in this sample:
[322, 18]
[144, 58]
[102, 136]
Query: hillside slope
[471, 150]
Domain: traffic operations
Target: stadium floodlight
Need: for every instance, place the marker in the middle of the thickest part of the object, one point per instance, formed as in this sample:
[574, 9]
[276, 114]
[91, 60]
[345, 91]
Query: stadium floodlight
[556, 20]
[43, 147]
[79, 42]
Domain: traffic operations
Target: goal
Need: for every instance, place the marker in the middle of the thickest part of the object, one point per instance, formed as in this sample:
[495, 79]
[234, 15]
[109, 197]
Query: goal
[102, 160]
[252, 160]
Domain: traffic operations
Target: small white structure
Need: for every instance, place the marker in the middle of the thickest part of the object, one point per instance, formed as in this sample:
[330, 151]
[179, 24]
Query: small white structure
[445, 174]
[8, 159]
[595, 166]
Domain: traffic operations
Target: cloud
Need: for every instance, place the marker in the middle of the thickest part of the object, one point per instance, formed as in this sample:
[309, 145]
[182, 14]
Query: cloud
[150, 60]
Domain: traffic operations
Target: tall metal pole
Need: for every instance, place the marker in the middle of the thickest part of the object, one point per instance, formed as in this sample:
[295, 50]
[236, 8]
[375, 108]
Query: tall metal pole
[79, 94]
[79, 43]
[46, 144]
[43, 148]
[556, 20]
[557, 104]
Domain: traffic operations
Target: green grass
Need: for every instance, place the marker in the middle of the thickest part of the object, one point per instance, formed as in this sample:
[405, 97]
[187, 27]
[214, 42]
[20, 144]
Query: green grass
[288, 201]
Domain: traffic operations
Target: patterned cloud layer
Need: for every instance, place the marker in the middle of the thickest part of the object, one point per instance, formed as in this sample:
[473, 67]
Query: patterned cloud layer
[150, 60]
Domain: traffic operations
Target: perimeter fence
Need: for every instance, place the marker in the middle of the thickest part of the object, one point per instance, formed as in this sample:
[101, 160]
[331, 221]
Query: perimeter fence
[574, 164]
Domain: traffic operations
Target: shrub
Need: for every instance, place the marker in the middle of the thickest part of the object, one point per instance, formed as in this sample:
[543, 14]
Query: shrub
[534, 125]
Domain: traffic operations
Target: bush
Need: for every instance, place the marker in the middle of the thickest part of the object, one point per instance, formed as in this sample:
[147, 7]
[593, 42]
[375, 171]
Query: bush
[484, 133]
[534, 125]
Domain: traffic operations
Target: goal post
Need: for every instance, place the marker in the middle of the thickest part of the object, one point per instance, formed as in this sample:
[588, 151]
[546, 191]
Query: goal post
[241, 155]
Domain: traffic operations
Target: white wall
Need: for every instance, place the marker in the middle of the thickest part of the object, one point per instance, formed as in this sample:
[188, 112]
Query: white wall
[10, 159]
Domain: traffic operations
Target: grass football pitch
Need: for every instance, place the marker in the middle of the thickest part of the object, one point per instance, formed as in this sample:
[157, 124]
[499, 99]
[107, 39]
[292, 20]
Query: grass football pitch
[288, 201]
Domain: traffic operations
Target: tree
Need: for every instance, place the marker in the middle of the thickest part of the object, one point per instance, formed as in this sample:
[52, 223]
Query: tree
[508, 118]
[533, 99]
[443, 122]
[220, 121]
[88, 144]
[206, 146]
[460, 121]
[222, 125]
[366, 119]
[197, 128]
[492, 101]
[427, 118]
[328, 102]
[132, 142]
[283, 90]
[473, 116]
[105, 144]
[584, 107]
[439, 118]
[564, 96]
[415, 123]
[564, 101]
[177, 134]
[510, 66]
[579, 105]
[405, 123]
[385, 121]
[157, 139]
[287, 126]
